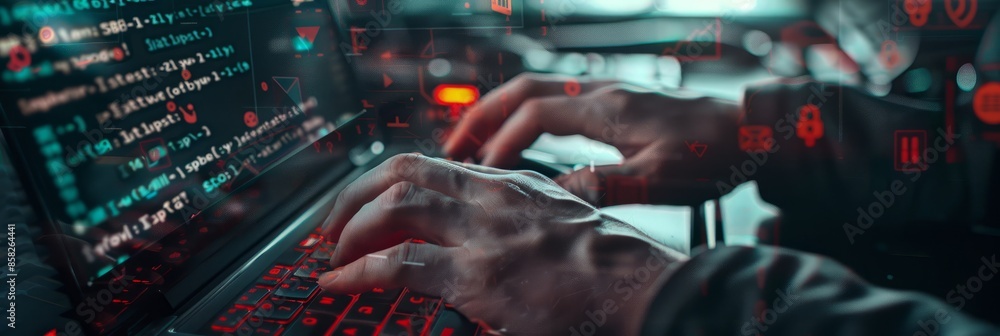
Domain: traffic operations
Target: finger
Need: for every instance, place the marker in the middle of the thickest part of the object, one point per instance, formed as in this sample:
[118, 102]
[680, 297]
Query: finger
[556, 115]
[420, 170]
[402, 212]
[646, 178]
[420, 267]
[483, 119]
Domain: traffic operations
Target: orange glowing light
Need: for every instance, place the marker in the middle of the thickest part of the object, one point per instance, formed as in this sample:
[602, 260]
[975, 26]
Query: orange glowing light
[450, 94]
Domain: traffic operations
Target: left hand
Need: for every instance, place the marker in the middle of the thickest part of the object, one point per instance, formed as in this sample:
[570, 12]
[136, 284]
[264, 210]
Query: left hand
[509, 249]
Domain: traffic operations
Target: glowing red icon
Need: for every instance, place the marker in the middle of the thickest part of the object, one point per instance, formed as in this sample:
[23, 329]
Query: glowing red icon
[504, 7]
[186, 74]
[986, 103]
[190, 116]
[810, 126]
[250, 119]
[963, 13]
[889, 55]
[908, 147]
[572, 88]
[367, 310]
[918, 10]
[46, 35]
[696, 148]
[756, 138]
[19, 58]
[118, 54]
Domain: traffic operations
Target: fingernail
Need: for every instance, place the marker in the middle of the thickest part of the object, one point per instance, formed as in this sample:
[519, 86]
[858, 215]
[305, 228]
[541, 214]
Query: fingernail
[326, 278]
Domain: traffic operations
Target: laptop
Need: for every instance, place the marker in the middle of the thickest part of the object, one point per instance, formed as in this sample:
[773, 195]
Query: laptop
[181, 157]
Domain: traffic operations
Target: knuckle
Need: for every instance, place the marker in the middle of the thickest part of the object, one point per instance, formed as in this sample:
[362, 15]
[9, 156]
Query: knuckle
[405, 252]
[403, 165]
[397, 194]
[531, 174]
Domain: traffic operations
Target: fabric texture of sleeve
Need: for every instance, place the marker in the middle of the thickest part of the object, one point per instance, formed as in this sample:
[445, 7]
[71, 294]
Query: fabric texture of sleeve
[774, 291]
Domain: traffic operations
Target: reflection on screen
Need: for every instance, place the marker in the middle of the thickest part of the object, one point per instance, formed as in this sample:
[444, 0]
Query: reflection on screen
[126, 110]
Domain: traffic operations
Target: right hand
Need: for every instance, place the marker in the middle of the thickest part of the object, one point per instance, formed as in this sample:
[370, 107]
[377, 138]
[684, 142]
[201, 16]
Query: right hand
[652, 130]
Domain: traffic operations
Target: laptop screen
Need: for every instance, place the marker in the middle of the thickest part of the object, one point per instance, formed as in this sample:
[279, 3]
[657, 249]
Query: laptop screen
[125, 111]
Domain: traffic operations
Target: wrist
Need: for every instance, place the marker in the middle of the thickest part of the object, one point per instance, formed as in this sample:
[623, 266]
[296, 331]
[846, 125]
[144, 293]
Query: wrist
[632, 283]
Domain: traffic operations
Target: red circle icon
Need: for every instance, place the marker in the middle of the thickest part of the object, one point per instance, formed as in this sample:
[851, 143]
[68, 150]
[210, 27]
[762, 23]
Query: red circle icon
[186, 74]
[889, 54]
[19, 58]
[986, 103]
[118, 54]
[263, 86]
[46, 35]
[250, 119]
[171, 106]
[572, 88]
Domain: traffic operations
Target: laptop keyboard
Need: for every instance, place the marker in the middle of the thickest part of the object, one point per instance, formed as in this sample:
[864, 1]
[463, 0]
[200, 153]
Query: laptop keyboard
[286, 300]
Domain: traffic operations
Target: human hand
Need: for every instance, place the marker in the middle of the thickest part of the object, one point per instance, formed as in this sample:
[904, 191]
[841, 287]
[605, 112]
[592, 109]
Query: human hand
[655, 131]
[509, 249]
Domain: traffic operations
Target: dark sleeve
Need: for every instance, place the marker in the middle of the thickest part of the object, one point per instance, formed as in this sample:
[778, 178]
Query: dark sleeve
[836, 148]
[773, 291]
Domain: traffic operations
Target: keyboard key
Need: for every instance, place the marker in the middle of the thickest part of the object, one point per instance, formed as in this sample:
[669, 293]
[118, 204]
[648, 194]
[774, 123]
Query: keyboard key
[416, 304]
[324, 251]
[296, 289]
[273, 276]
[330, 303]
[267, 329]
[251, 297]
[257, 326]
[348, 328]
[369, 313]
[381, 295]
[451, 323]
[280, 311]
[310, 241]
[311, 269]
[400, 325]
[311, 323]
[229, 320]
[289, 258]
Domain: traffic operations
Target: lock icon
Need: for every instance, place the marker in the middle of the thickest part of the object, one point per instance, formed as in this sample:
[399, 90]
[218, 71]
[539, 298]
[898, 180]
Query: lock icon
[889, 54]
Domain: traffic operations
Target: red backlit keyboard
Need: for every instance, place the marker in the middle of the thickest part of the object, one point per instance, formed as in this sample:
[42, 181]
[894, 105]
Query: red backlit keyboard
[286, 300]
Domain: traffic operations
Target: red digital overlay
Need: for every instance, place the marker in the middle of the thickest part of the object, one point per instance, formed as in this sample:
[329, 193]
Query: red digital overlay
[572, 88]
[889, 55]
[986, 103]
[908, 148]
[810, 125]
[505, 7]
[756, 138]
[961, 12]
[154, 151]
[918, 11]
[250, 119]
[696, 148]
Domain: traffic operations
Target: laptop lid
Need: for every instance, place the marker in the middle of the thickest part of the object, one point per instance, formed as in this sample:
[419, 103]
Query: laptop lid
[150, 134]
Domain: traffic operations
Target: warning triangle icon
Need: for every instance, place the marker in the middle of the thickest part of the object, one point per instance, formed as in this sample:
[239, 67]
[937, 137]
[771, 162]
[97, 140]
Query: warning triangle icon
[308, 33]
